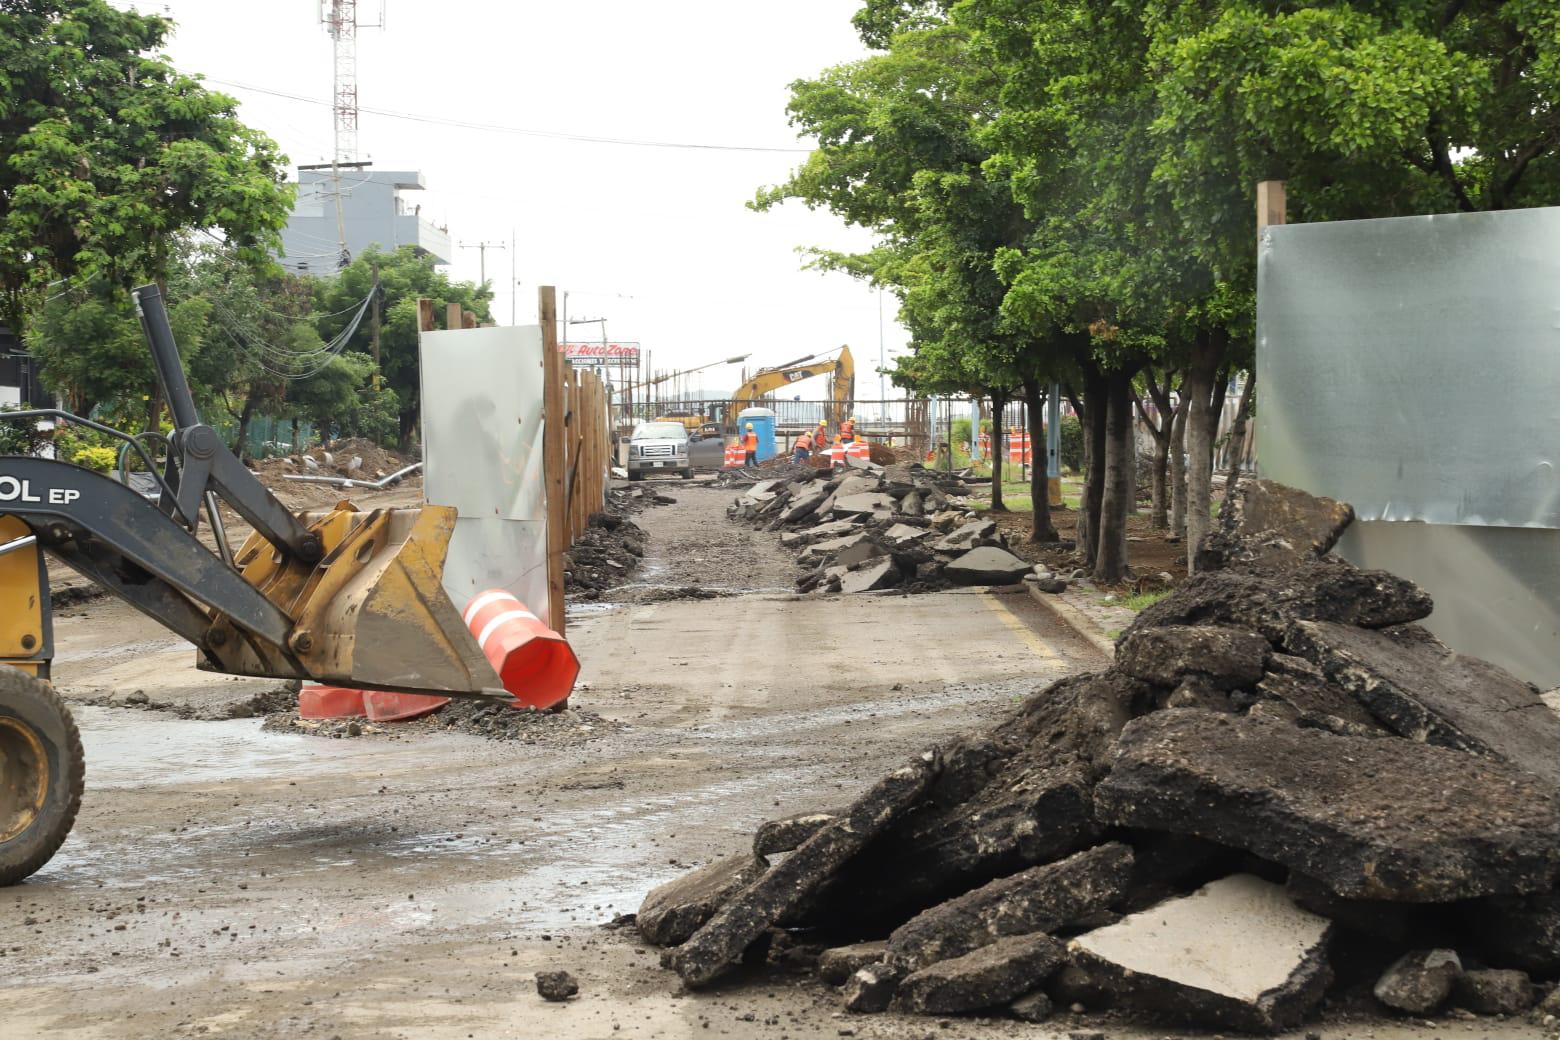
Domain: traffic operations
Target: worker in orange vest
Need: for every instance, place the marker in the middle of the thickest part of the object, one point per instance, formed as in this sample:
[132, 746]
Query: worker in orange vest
[820, 438]
[750, 446]
[801, 451]
[848, 431]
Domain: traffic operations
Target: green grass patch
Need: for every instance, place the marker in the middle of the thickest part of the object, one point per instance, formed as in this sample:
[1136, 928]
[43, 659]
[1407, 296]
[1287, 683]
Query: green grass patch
[1142, 600]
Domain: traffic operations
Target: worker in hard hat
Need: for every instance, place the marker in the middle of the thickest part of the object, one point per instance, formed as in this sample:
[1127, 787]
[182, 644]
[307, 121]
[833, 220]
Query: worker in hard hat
[750, 447]
[801, 451]
[820, 438]
[848, 431]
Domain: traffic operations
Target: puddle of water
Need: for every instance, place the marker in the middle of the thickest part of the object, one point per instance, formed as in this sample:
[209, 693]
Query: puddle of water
[142, 749]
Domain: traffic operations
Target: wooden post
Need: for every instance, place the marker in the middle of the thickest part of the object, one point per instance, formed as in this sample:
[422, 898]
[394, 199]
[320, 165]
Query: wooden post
[1272, 205]
[452, 318]
[553, 454]
[424, 314]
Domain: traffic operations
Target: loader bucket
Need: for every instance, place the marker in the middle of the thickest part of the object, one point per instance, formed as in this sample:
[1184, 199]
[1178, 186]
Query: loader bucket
[373, 611]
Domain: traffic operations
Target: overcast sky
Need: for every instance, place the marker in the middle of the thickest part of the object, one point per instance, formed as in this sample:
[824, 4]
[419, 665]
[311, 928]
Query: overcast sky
[656, 240]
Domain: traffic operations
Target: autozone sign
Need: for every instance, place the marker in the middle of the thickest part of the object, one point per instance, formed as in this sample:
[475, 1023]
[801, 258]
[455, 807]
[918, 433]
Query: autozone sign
[613, 354]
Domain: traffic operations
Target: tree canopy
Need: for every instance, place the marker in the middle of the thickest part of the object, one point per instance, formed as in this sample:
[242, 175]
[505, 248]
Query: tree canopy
[107, 152]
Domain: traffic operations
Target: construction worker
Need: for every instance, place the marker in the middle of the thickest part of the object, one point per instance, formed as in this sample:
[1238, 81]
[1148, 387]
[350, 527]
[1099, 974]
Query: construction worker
[821, 438]
[801, 451]
[750, 447]
[848, 431]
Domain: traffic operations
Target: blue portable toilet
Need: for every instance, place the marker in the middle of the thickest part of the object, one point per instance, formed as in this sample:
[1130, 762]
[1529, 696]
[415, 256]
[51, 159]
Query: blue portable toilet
[763, 420]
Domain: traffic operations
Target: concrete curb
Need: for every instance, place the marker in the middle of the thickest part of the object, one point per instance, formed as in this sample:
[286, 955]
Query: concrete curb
[1074, 619]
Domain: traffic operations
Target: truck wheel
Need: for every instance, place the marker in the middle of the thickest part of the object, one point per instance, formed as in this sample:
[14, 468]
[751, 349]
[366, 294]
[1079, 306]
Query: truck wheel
[41, 774]
[635, 476]
[687, 474]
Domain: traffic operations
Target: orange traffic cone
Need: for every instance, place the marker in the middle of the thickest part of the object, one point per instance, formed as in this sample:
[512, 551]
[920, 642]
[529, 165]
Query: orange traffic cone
[383, 706]
[330, 702]
[535, 663]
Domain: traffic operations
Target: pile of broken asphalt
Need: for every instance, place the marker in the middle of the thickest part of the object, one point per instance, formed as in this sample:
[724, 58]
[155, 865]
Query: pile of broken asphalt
[870, 528]
[613, 546]
[1284, 793]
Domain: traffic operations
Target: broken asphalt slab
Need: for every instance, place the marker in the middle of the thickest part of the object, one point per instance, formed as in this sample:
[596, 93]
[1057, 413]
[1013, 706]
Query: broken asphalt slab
[987, 565]
[673, 912]
[1226, 657]
[1424, 691]
[1237, 953]
[717, 947]
[1040, 899]
[997, 973]
[1368, 818]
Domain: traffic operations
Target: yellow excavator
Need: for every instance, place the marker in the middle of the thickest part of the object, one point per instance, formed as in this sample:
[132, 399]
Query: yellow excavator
[340, 597]
[841, 367]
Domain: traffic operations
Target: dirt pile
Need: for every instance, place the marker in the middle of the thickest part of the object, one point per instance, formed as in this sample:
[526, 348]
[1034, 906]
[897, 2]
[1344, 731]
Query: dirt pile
[1283, 790]
[566, 728]
[355, 457]
[869, 528]
[612, 547]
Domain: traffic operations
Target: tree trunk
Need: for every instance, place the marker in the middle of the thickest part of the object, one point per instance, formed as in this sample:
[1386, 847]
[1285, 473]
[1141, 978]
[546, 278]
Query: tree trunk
[408, 422]
[998, 403]
[296, 447]
[1094, 394]
[1110, 558]
[1159, 427]
[1201, 387]
[241, 449]
[1238, 437]
[1178, 465]
[1043, 530]
[154, 408]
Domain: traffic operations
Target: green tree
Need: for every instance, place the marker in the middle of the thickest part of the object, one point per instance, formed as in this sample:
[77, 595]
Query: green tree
[404, 276]
[108, 152]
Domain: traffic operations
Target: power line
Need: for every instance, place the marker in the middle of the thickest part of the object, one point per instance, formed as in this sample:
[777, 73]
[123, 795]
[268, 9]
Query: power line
[495, 128]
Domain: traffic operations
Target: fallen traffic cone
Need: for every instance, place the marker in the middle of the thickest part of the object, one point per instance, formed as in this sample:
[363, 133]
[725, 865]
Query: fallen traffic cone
[534, 663]
[330, 702]
[382, 706]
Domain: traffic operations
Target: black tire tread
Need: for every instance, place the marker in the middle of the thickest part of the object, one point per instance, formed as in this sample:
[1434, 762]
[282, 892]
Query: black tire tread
[15, 685]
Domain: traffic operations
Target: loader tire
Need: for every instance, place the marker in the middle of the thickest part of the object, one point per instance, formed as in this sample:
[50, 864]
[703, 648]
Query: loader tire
[42, 772]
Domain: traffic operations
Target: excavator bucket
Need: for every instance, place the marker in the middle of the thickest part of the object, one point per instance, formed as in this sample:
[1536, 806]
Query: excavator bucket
[372, 613]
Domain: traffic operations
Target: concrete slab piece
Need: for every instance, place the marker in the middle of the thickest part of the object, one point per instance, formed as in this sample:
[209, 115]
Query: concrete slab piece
[869, 502]
[673, 912]
[875, 576]
[987, 565]
[967, 536]
[840, 963]
[1237, 953]
[820, 551]
[903, 534]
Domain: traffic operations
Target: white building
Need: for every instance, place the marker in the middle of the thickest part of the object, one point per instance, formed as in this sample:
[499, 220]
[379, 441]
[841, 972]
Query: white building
[373, 211]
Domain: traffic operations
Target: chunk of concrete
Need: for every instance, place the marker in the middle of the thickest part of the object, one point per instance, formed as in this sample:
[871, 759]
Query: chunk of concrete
[881, 575]
[859, 552]
[871, 989]
[868, 503]
[997, 973]
[967, 536]
[673, 912]
[1421, 690]
[1225, 656]
[911, 504]
[1494, 991]
[787, 833]
[904, 534]
[822, 532]
[1322, 590]
[717, 947]
[1036, 1007]
[803, 506]
[1369, 818]
[987, 565]
[1419, 981]
[840, 963]
[1040, 899]
[1274, 526]
[1237, 954]
[819, 551]
[856, 484]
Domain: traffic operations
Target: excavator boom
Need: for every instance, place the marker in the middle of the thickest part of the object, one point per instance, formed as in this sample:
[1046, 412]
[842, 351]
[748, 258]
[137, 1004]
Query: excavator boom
[842, 384]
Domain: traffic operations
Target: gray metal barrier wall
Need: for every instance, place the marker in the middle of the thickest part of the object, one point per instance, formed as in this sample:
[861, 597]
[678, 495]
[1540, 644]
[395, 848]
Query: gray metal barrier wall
[1411, 367]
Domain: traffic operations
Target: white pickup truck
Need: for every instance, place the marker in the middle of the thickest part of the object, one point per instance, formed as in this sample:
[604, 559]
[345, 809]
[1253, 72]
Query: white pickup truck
[659, 447]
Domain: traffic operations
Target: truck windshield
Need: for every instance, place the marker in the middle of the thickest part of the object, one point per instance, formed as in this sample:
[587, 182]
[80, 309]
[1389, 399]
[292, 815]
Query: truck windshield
[660, 431]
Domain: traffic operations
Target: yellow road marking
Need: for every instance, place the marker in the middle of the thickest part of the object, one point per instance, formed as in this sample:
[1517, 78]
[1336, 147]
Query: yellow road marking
[1013, 621]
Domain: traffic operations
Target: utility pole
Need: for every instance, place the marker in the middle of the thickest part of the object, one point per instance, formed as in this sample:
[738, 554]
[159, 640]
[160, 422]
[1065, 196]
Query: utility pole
[482, 248]
[340, 18]
[373, 320]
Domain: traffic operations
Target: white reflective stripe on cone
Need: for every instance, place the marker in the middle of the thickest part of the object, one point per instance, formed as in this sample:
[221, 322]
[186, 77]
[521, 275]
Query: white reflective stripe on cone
[483, 600]
[508, 615]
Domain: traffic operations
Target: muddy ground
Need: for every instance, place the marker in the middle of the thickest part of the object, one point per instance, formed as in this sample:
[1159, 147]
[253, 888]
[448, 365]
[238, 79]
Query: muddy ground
[224, 880]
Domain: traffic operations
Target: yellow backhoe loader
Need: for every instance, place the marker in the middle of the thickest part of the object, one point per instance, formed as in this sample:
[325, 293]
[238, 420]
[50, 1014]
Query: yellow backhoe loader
[339, 597]
[842, 385]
